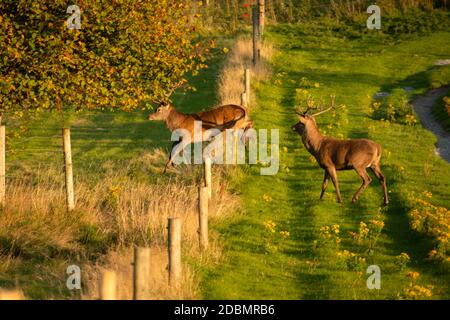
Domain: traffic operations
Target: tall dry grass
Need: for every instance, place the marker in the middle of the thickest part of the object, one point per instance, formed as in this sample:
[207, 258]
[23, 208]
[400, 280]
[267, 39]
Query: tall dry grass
[119, 261]
[230, 83]
[115, 210]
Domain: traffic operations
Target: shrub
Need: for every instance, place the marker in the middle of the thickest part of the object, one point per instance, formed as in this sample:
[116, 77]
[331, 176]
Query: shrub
[415, 291]
[126, 54]
[433, 221]
[351, 260]
[402, 260]
[415, 22]
[439, 77]
[394, 108]
[329, 236]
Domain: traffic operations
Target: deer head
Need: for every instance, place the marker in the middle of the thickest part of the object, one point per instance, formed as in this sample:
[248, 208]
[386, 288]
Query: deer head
[304, 121]
[162, 112]
[164, 105]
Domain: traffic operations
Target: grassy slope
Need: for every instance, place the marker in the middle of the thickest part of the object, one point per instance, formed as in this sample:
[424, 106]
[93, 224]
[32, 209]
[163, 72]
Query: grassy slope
[354, 71]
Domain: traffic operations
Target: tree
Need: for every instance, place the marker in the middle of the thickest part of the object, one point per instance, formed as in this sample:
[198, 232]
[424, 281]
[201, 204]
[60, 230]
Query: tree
[126, 54]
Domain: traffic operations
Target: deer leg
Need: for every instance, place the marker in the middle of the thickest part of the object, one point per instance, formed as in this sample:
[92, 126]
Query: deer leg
[366, 181]
[324, 184]
[169, 162]
[332, 173]
[171, 149]
[177, 147]
[376, 170]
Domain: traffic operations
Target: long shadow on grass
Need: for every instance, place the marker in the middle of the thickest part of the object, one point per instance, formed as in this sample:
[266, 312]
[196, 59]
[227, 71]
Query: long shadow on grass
[303, 228]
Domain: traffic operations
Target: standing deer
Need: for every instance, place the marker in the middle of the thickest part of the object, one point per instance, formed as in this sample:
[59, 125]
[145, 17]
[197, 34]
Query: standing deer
[223, 117]
[333, 154]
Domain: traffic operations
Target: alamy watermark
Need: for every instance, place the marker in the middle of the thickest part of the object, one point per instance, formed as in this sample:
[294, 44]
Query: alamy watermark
[374, 280]
[74, 277]
[374, 20]
[228, 147]
[74, 21]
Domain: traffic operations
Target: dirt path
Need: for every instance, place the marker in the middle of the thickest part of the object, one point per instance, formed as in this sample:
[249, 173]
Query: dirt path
[423, 108]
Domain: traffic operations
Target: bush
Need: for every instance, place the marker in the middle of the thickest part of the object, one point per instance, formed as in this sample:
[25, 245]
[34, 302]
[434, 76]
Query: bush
[415, 22]
[125, 55]
[394, 108]
[439, 77]
[434, 222]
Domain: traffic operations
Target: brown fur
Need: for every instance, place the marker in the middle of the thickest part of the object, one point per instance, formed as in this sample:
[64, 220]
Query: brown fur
[223, 117]
[333, 155]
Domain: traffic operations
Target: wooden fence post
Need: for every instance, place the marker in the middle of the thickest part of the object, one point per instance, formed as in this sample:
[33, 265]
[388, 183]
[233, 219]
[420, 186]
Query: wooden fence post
[244, 99]
[203, 217]
[70, 196]
[207, 175]
[108, 285]
[262, 9]
[174, 251]
[235, 146]
[255, 35]
[2, 165]
[141, 274]
[247, 85]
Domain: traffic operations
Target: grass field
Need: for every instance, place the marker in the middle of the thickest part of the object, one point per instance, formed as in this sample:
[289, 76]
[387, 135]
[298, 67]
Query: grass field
[263, 264]
[277, 248]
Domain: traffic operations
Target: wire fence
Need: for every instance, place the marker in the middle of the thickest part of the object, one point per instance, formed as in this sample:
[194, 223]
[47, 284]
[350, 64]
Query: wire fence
[35, 152]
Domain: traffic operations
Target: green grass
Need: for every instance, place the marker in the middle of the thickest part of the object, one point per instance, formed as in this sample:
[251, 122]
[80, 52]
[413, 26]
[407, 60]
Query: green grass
[256, 264]
[354, 71]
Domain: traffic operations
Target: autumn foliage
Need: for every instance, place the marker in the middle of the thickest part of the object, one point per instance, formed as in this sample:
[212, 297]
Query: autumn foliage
[126, 54]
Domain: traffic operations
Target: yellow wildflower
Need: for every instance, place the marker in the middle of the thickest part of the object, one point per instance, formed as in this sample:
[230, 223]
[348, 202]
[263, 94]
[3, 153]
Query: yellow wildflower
[335, 228]
[284, 234]
[413, 275]
[270, 225]
[427, 194]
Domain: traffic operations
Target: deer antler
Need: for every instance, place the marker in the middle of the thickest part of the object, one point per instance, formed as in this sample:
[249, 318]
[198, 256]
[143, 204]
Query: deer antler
[332, 99]
[165, 97]
[175, 87]
[309, 106]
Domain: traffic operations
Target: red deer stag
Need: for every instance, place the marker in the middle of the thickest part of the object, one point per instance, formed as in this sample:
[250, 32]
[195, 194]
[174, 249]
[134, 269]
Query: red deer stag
[223, 117]
[333, 154]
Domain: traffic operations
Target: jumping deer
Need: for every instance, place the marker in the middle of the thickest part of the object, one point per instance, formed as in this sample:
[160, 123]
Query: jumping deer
[223, 117]
[334, 154]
